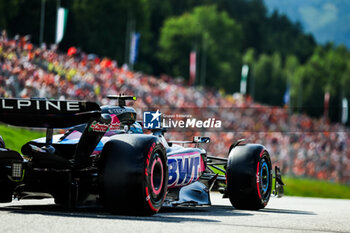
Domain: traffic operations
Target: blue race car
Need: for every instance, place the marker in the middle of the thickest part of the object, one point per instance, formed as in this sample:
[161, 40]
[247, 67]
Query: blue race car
[104, 158]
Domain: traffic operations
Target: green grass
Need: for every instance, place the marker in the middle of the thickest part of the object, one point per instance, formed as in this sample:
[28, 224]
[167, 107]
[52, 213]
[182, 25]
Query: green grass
[315, 188]
[15, 137]
[305, 187]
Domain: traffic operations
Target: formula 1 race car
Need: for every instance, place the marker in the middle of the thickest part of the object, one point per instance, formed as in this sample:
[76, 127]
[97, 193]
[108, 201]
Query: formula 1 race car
[104, 158]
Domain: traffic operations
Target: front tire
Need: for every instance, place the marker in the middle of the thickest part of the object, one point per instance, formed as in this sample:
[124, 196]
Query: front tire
[134, 175]
[249, 177]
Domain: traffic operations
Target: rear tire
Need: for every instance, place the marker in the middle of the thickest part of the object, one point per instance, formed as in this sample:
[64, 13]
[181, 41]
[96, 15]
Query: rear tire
[134, 175]
[249, 177]
[5, 192]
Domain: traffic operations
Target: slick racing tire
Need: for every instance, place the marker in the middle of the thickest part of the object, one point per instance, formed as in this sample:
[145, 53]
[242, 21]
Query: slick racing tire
[249, 177]
[133, 175]
[5, 191]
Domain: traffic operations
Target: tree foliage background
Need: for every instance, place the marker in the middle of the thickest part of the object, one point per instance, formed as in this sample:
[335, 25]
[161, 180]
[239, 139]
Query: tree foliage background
[225, 34]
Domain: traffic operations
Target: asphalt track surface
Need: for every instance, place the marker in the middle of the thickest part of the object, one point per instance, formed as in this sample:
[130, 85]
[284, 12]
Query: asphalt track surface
[288, 214]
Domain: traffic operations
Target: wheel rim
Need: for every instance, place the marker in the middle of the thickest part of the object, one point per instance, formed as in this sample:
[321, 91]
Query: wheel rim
[264, 177]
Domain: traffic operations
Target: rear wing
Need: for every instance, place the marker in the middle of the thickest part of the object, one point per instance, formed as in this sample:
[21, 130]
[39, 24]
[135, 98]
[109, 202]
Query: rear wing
[44, 113]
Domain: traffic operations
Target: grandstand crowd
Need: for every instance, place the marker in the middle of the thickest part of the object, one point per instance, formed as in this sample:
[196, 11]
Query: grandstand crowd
[300, 145]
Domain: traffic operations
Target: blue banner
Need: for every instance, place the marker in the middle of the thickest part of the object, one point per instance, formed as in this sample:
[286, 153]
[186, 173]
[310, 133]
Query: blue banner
[286, 97]
[134, 47]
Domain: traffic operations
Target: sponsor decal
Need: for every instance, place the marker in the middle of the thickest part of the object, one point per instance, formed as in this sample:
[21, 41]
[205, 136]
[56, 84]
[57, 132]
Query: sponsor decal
[183, 169]
[98, 127]
[18, 104]
[117, 110]
[115, 124]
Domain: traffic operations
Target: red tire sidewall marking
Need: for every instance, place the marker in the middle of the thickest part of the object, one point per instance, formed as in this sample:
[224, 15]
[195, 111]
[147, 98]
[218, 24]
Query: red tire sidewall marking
[258, 176]
[155, 191]
[150, 202]
[148, 197]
